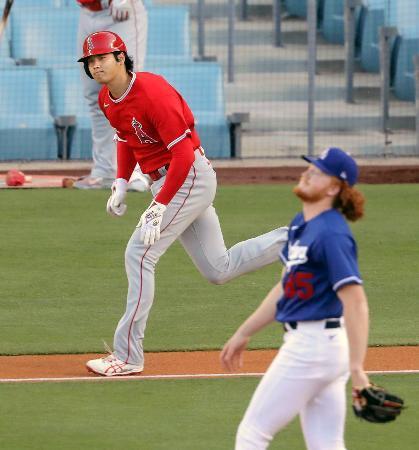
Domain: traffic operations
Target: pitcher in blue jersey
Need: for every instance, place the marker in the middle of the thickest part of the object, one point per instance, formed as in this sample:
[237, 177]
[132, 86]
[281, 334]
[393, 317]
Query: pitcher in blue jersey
[323, 308]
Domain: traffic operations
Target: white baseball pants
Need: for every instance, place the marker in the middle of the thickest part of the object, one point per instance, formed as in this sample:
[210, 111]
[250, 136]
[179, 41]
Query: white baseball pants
[191, 218]
[306, 378]
[134, 33]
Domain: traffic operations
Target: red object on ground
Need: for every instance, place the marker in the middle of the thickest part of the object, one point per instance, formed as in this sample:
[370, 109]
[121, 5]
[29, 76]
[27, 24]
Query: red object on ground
[15, 177]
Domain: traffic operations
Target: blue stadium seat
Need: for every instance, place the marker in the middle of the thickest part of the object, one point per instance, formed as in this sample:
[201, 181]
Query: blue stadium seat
[296, 7]
[405, 17]
[5, 59]
[404, 76]
[67, 100]
[201, 84]
[26, 126]
[39, 3]
[299, 8]
[333, 24]
[168, 33]
[373, 17]
[50, 38]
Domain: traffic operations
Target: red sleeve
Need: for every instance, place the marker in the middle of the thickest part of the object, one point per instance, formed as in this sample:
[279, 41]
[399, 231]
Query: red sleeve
[182, 159]
[125, 160]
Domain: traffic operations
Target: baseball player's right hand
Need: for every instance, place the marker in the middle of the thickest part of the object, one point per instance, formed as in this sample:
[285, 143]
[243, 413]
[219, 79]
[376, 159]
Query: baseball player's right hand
[116, 206]
[232, 353]
[120, 10]
[150, 223]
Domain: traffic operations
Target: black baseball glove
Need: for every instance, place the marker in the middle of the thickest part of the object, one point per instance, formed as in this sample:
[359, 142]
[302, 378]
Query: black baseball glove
[376, 405]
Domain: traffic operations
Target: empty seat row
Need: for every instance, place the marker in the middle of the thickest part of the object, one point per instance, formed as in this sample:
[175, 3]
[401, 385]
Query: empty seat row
[48, 37]
[369, 17]
[33, 97]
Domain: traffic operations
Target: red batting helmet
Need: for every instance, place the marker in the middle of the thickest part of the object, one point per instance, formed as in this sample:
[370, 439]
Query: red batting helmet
[100, 43]
[15, 177]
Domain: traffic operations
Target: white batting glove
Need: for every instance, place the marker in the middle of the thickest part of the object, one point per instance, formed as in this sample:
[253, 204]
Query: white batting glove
[150, 223]
[120, 10]
[116, 205]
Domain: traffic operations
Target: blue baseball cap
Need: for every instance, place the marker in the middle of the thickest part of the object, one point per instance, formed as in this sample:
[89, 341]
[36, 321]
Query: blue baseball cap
[336, 163]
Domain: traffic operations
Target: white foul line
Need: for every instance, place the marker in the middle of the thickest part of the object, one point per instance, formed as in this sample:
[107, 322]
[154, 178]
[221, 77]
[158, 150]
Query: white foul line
[172, 377]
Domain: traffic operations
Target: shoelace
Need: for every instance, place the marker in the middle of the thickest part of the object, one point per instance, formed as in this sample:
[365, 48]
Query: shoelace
[110, 357]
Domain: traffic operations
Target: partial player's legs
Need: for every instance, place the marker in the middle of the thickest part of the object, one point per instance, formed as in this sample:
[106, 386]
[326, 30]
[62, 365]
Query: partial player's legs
[134, 33]
[323, 418]
[194, 196]
[203, 240]
[278, 398]
[295, 383]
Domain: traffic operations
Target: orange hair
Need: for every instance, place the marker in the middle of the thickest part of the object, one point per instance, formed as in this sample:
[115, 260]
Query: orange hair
[350, 202]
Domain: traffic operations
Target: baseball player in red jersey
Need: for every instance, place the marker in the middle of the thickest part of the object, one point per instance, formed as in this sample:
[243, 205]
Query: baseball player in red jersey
[156, 129]
[128, 18]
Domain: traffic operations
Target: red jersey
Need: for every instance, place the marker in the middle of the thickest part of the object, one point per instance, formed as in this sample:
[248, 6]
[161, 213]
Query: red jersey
[152, 122]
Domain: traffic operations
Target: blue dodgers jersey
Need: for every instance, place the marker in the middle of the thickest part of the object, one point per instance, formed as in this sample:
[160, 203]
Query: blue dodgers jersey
[320, 257]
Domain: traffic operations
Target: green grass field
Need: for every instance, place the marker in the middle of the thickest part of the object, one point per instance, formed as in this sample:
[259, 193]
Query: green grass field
[163, 415]
[63, 282]
[63, 290]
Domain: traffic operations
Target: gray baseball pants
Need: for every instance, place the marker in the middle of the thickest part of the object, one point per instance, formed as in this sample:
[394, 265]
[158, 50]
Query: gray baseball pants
[191, 218]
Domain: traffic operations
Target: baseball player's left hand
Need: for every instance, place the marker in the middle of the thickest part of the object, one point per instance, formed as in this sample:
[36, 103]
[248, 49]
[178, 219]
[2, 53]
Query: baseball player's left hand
[375, 404]
[120, 10]
[115, 205]
[150, 223]
[232, 353]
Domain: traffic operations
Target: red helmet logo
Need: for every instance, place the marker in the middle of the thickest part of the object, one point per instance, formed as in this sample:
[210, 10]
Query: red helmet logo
[102, 42]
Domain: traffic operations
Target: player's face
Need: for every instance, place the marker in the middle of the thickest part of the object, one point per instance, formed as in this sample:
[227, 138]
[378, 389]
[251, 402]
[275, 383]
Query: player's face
[103, 68]
[315, 185]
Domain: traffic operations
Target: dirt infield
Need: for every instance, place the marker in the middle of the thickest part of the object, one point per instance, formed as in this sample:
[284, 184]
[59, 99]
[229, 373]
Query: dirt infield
[186, 363]
[263, 175]
[371, 174]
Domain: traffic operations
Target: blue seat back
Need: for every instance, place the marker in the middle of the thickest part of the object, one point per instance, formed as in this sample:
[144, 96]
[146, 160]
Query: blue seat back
[201, 84]
[4, 48]
[375, 4]
[49, 37]
[405, 15]
[404, 70]
[168, 31]
[24, 91]
[39, 3]
[296, 7]
[66, 92]
[373, 17]
[333, 24]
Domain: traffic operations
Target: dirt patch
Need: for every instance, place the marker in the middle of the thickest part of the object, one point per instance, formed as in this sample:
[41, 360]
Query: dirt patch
[248, 175]
[186, 363]
[281, 175]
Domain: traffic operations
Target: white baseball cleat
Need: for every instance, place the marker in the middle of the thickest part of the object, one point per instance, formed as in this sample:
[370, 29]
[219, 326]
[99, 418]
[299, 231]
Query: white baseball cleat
[110, 366]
